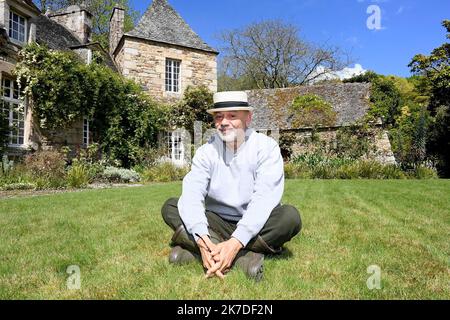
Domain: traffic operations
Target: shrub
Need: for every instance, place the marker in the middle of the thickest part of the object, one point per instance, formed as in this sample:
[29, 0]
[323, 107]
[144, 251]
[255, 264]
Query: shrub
[47, 168]
[193, 106]
[392, 171]
[90, 160]
[6, 166]
[317, 159]
[291, 171]
[422, 172]
[164, 172]
[113, 174]
[347, 171]
[368, 169]
[318, 167]
[16, 175]
[148, 157]
[78, 176]
[323, 171]
[46, 164]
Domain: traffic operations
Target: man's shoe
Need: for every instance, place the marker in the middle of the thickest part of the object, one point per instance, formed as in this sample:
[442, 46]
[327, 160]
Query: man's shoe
[251, 263]
[183, 239]
[180, 256]
[259, 245]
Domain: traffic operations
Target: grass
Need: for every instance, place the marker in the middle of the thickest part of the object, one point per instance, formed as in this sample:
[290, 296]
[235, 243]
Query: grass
[120, 242]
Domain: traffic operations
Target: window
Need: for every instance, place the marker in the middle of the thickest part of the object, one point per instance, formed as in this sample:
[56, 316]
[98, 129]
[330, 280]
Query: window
[85, 132]
[175, 147]
[172, 75]
[17, 27]
[13, 108]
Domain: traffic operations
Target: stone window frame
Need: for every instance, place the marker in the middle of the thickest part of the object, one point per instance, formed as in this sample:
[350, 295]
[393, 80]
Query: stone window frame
[11, 96]
[11, 22]
[175, 65]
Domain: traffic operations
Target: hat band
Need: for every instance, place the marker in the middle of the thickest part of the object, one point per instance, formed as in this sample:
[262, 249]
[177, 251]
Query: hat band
[230, 104]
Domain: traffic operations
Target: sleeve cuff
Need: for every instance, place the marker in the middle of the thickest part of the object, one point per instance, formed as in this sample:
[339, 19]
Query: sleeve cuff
[201, 229]
[242, 235]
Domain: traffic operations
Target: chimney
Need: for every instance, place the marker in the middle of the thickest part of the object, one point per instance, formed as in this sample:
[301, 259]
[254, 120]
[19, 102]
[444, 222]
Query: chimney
[77, 20]
[116, 28]
[4, 17]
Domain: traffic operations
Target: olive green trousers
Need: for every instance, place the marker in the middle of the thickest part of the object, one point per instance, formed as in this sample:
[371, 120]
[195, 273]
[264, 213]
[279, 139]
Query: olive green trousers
[283, 224]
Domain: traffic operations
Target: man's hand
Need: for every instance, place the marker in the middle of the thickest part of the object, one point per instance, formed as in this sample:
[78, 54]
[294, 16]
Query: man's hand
[224, 254]
[206, 247]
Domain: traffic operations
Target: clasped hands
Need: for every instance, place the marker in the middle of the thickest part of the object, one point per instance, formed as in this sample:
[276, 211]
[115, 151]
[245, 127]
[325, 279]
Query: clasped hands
[218, 258]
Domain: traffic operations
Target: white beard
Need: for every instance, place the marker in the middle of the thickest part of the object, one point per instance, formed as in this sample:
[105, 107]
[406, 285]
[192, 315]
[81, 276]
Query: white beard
[232, 135]
[229, 137]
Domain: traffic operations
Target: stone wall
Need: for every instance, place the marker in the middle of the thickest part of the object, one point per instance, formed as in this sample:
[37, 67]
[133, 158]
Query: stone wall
[350, 101]
[54, 140]
[145, 61]
[379, 140]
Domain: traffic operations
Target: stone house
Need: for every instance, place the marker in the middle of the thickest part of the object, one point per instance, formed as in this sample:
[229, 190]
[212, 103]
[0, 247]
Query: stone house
[162, 53]
[16, 29]
[165, 56]
[21, 23]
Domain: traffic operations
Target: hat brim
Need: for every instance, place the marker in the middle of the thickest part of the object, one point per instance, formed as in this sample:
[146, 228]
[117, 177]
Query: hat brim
[212, 111]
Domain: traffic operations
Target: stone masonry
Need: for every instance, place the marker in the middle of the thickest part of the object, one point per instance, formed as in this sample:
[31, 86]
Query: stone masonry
[144, 62]
[77, 20]
[162, 34]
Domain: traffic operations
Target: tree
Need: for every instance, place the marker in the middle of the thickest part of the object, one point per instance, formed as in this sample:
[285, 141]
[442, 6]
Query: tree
[101, 12]
[435, 69]
[271, 54]
[193, 107]
[385, 96]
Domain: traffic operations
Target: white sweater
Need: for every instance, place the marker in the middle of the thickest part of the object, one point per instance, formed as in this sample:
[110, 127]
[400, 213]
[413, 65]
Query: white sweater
[244, 186]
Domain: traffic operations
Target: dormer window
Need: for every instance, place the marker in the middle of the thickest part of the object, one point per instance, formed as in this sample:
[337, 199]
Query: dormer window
[17, 27]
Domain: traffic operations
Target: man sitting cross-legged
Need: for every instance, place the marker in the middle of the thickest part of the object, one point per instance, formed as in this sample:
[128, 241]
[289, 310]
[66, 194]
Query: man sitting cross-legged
[230, 210]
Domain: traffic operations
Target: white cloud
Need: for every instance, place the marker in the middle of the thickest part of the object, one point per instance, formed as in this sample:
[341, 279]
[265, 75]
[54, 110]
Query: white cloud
[343, 74]
[347, 73]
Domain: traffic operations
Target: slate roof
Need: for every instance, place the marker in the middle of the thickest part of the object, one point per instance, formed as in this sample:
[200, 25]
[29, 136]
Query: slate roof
[57, 37]
[53, 34]
[161, 23]
[349, 100]
[71, 8]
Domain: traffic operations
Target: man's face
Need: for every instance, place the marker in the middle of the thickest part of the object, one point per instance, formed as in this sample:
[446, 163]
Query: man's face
[231, 125]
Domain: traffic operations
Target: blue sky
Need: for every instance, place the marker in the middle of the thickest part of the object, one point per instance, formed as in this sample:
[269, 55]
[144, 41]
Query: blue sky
[408, 27]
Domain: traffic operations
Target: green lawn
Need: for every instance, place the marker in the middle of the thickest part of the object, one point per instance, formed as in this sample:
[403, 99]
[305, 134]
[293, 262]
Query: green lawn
[120, 242]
